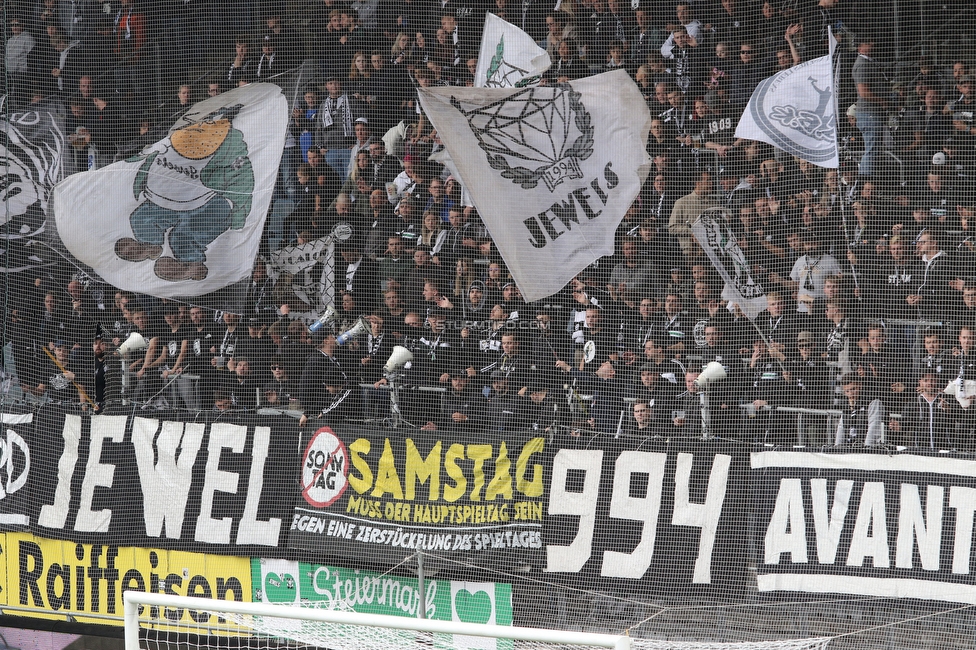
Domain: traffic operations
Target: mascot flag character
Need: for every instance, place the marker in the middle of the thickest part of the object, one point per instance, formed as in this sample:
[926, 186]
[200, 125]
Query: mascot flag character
[197, 184]
[184, 217]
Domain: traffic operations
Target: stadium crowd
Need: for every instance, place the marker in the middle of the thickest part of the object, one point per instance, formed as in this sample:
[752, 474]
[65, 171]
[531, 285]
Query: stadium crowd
[867, 269]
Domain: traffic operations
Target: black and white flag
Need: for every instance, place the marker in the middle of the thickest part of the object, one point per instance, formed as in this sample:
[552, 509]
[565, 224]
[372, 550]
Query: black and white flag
[308, 270]
[551, 169]
[795, 110]
[713, 233]
[31, 145]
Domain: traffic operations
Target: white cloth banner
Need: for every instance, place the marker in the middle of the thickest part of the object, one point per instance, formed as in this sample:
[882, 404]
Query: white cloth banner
[795, 110]
[508, 55]
[713, 233]
[184, 216]
[551, 169]
[31, 149]
[305, 269]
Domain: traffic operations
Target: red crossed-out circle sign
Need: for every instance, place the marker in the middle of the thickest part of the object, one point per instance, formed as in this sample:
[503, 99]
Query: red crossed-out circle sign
[325, 467]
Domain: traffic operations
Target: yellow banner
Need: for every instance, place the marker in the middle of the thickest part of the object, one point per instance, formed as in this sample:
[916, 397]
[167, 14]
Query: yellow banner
[53, 578]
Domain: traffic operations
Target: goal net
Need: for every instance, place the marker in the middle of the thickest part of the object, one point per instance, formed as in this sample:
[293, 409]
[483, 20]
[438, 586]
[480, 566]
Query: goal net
[147, 615]
[154, 621]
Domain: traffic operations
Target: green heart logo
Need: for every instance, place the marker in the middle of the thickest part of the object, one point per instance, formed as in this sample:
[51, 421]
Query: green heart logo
[280, 588]
[472, 607]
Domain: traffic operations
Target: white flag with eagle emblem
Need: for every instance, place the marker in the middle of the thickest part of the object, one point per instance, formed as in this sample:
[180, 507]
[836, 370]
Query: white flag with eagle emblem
[552, 169]
[508, 56]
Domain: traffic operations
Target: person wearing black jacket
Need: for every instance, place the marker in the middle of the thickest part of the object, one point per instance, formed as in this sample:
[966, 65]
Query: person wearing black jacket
[289, 41]
[199, 336]
[246, 388]
[883, 367]
[462, 408]
[324, 389]
[109, 126]
[437, 351]
[281, 391]
[686, 416]
[862, 421]
[242, 68]
[932, 292]
[515, 366]
[724, 395]
[371, 352]
[98, 375]
[646, 420]
[807, 372]
[768, 390]
[934, 358]
[777, 325]
[545, 348]
[926, 418]
[568, 66]
[59, 375]
[887, 287]
[502, 405]
[257, 346]
[383, 168]
[649, 386]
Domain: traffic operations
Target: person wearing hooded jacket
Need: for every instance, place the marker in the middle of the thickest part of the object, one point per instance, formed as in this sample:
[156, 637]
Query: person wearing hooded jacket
[474, 302]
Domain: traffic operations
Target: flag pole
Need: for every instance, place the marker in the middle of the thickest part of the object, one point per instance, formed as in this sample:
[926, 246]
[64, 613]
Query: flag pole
[765, 341]
[834, 70]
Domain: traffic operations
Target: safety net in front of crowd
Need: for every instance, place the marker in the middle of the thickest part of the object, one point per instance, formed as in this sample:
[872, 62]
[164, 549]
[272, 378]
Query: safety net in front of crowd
[632, 317]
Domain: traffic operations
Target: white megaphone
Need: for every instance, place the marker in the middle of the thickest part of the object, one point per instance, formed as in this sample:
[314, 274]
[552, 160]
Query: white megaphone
[330, 315]
[400, 357]
[711, 373]
[134, 343]
[361, 327]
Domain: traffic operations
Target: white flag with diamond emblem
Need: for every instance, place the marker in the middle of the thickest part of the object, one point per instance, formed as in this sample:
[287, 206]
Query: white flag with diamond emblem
[508, 56]
[551, 169]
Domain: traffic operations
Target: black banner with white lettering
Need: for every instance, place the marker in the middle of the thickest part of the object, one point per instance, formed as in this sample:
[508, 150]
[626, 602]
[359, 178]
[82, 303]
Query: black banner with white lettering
[618, 515]
[869, 524]
[383, 495]
[18, 439]
[217, 485]
[647, 516]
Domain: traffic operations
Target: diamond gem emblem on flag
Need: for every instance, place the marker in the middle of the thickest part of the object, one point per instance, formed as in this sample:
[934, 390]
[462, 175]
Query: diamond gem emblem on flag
[536, 134]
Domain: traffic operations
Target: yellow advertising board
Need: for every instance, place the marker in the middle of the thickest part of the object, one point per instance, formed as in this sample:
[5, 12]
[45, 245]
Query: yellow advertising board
[56, 578]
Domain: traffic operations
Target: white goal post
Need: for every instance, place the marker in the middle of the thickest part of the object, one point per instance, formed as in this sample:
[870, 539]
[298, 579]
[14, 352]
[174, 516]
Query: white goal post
[134, 599]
